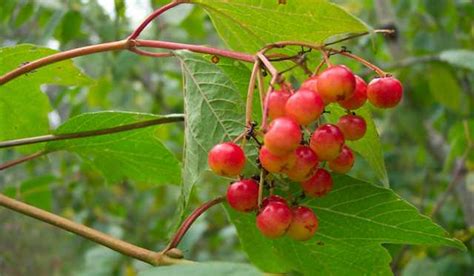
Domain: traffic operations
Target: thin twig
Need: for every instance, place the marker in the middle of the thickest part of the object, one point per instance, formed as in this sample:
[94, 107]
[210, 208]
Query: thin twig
[267, 99]
[384, 31]
[56, 137]
[273, 71]
[23, 159]
[150, 54]
[194, 48]
[190, 220]
[368, 64]
[145, 255]
[260, 188]
[261, 89]
[251, 89]
[152, 16]
[83, 51]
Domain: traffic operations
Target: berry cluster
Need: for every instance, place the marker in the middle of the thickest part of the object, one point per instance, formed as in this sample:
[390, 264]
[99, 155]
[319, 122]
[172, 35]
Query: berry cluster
[289, 149]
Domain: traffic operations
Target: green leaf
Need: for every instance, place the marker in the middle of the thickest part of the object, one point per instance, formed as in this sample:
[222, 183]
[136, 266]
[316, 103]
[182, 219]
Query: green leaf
[23, 107]
[35, 191]
[369, 147]
[459, 57]
[248, 25]
[445, 89]
[24, 14]
[204, 269]
[137, 154]
[214, 113]
[355, 218]
[459, 135]
[70, 26]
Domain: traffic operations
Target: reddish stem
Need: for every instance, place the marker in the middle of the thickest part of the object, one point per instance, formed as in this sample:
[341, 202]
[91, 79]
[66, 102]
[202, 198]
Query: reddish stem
[23, 159]
[151, 54]
[195, 48]
[190, 220]
[83, 51]
[152, 16]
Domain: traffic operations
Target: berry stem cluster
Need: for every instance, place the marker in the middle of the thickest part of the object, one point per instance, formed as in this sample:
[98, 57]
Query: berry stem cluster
[303, 157]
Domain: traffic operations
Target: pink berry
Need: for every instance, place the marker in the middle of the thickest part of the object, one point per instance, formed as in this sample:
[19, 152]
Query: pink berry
[344, 162]
[318, 185]
[327, 141]
[304, 224]
[273, 198]
[275, 163]
[336, 83]
[283, 136]
[243, 195]
[277, 101]
[305, 165]
[358, 98]
[385, 92]
[304, 106]
[352, 126]
[226, 159]
[274, 219]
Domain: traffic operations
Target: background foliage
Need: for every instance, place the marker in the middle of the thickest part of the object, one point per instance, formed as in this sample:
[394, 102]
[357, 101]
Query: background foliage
[421, 139]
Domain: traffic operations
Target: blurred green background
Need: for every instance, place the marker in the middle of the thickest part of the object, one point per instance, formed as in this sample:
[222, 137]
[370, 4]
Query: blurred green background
[423, 138]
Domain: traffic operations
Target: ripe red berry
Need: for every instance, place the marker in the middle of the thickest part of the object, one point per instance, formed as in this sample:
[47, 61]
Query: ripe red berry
[277, 101]
[304, 224]
[243, 195]
[275, 163]
[352, 126]
[336, 83]
[310, 84]
[358, 98]
[318, 185]
[304, 106]
[283, 136]
[385, 92]
[327, 141]
[226, 159]
[344, 162]
[274, 219]
[305, 165]
[273, 198]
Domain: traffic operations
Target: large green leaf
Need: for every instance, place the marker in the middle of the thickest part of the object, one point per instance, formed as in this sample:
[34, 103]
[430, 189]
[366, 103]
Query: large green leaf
[35, 191]
[248, 25]
[446, 90]
[459, 57]
[355, 218]
[137, 154]
[23, 107]
[369, 147]
[214, 112]
[204, 269]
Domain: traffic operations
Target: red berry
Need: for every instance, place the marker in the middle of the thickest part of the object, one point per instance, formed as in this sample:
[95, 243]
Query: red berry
[277, 101]
[283, 136]
[304, 106]
[274, 163]
[344, 162]
[337, 83]
[226, 159]
[352, 126]
[318, 185]
[385, 92]
[327, 141]
[310, 84]
[304, 224]
[305, 165]
[358, 98]
[274, 219]
[273, 198]
[243, 195]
